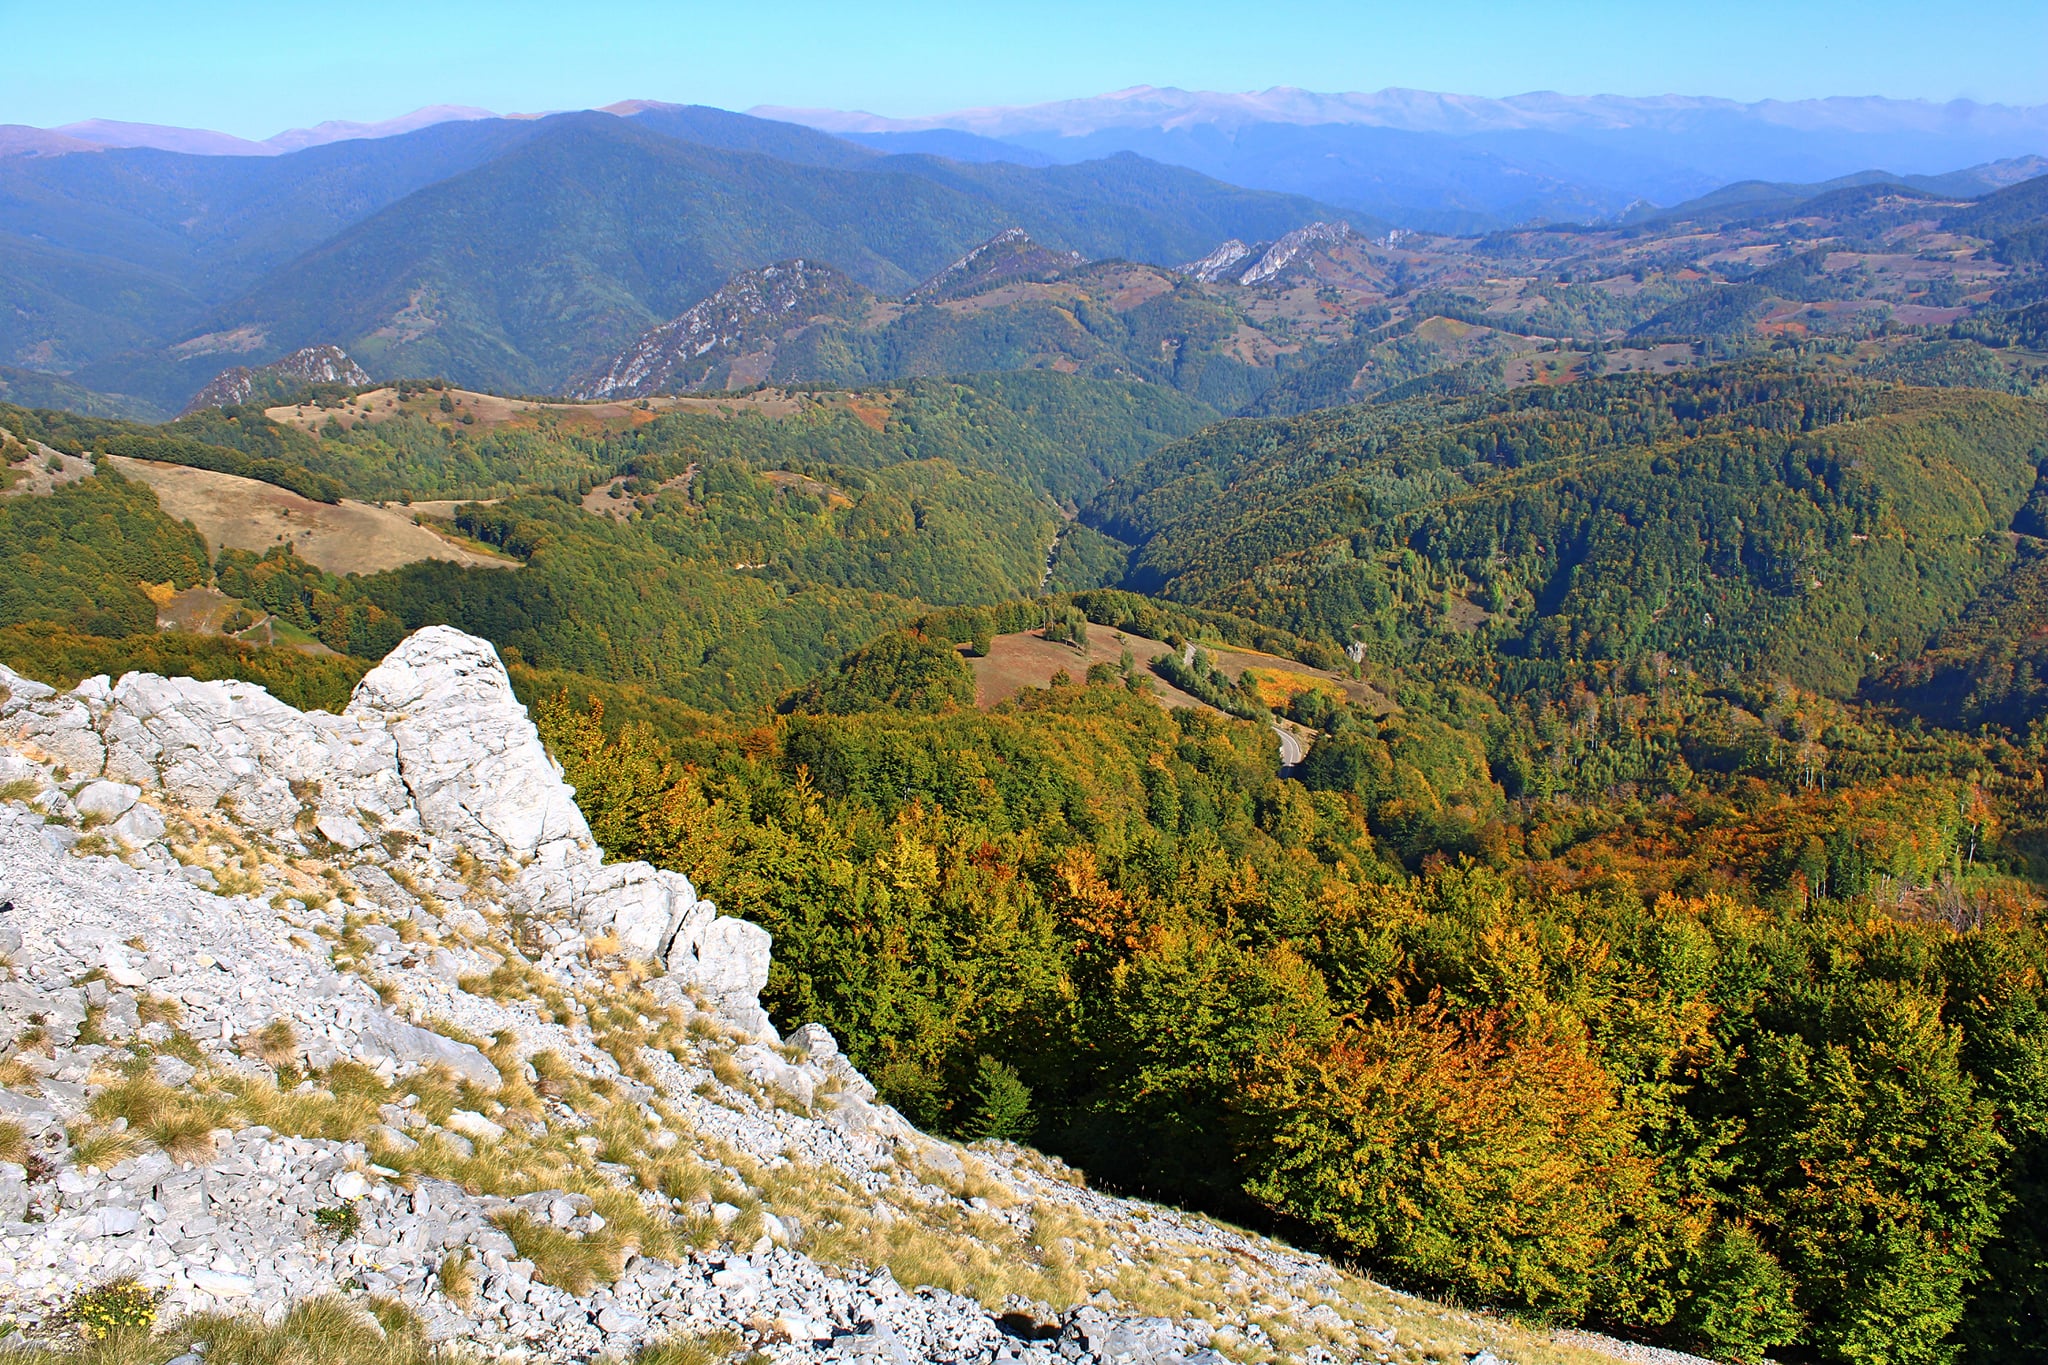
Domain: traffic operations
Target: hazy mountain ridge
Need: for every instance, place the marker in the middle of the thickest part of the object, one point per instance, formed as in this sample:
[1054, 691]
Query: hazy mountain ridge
[1419, 111]
[516, 254]
[529, 254]
[1410, 153]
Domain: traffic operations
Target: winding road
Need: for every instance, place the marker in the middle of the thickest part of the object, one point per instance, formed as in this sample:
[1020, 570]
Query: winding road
[1292, 750]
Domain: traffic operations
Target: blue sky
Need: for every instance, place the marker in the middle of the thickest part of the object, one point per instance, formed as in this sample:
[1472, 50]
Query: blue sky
[254, 69]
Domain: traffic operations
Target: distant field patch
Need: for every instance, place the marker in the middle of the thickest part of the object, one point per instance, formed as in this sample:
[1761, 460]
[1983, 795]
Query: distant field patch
[1017, 662]
[1027, 659]
[349, 537]
[489, 411]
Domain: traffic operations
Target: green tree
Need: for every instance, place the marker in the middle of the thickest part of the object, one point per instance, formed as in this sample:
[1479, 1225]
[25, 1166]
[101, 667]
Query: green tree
[999, 1102]
[1871, 1167]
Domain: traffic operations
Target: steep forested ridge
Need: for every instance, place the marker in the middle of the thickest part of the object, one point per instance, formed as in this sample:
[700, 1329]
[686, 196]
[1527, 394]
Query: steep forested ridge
[1746, 517]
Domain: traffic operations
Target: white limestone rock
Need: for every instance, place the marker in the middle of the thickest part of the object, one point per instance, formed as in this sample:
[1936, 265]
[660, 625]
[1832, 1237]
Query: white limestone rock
[471, 760]
[433, 746]
[108, 800]
[18, 693]
[141, 825]
[640, 904]
[403, 1043]
[342, 832]
[119, 969]
[732, 958]
[232, 743]
[816, 1041]
[471, 1124]
[378, 887]
[61, 725]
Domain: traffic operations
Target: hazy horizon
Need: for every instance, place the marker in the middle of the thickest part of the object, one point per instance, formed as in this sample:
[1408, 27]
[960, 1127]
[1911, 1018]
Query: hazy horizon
[234, 67]
[450, 110]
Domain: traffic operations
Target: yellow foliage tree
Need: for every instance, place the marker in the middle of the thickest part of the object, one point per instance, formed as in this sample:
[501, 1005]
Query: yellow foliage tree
[1498, 1164]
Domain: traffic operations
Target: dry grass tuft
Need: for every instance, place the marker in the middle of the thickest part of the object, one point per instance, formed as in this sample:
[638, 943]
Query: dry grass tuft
[325, 1331]
[276, 1043]
[457, 1279]
[562, 1259]
[99, 1148]
[691, 1350]
[13, 1143]
[317, 1332]
[180, 1122]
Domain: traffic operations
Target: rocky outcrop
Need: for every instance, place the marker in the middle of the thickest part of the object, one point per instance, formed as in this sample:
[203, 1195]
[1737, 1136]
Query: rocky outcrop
[1008, 256]
[1225, 265]
[1293, 247]
[432, 747]
[1216, 265]
[729, 340]
[303, 1006]
[280, 378]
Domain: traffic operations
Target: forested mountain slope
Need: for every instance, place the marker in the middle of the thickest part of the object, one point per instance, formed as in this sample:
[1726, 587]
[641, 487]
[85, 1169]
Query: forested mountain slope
[523, 255]
[486, 248]
[719, 559]
[1741, 517]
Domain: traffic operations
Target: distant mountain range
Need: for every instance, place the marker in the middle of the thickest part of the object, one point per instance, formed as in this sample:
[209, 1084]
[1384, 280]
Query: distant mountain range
[1418, 158]
[1459, 162]
[537, 253]
[101, 132]
[515, 254]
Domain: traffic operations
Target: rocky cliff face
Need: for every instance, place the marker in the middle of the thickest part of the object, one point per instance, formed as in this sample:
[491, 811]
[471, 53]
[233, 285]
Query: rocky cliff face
[1268, 260]
[299, 1006]
[434, 754]
[729, 340]
[312, 365]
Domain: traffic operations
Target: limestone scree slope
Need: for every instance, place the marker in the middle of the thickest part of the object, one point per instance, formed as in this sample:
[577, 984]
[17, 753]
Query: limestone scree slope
[296, 1006]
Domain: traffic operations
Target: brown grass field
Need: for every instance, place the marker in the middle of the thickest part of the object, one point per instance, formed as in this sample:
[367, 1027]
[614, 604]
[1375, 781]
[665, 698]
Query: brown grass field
[1015, 662]
[349, 537]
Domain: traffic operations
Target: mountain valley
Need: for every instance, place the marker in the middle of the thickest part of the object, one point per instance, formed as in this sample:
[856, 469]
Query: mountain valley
[670, 737]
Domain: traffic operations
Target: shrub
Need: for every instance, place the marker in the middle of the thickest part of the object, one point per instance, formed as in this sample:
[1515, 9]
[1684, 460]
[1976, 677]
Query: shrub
[1000, 1101]
[338, 1220]
[116, 1306]
[1737, 1299]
